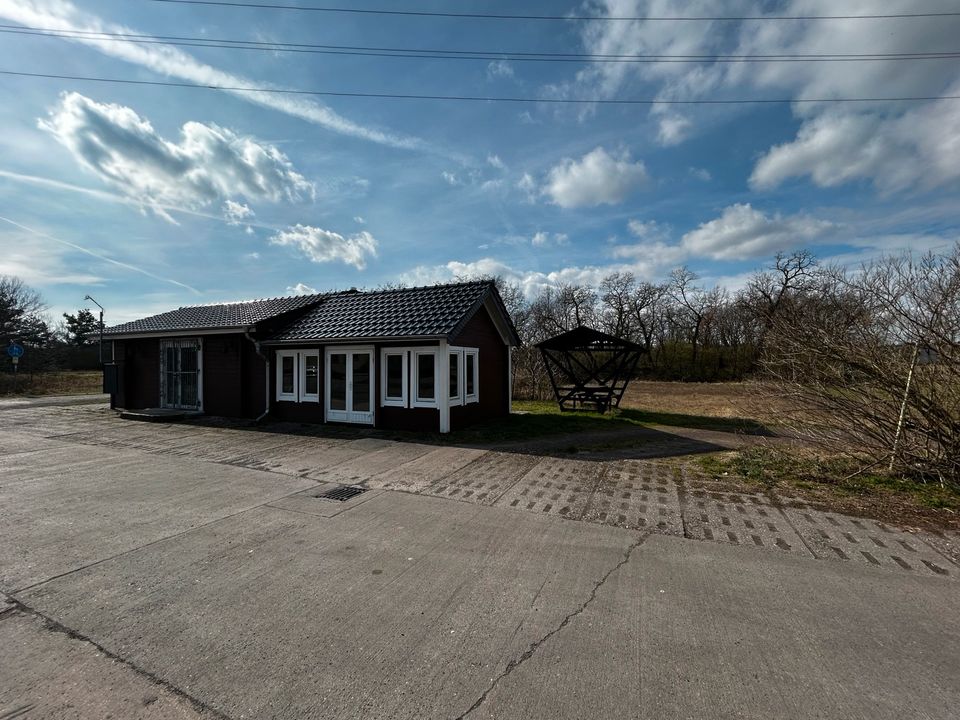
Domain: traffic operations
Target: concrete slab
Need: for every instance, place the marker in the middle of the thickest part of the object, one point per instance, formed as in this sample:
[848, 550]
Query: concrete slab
[375, 461]
[837, 537]
[403, 607]
[741, 519]
[640, 495]
[47, 674]
[421, 472]
[58, 512]
[708, 630]
[485, 479]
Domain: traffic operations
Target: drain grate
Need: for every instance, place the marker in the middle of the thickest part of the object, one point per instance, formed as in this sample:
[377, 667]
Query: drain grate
[342, 493]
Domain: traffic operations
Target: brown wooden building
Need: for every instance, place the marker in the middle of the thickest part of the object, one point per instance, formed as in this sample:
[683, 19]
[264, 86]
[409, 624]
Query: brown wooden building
[431, 358]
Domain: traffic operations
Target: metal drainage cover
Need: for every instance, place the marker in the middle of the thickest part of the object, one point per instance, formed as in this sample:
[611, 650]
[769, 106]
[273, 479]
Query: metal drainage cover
[342, 493]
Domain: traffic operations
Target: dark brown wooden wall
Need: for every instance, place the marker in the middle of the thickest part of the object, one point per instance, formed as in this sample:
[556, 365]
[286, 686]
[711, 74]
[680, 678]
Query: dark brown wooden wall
[139, 362]
[223, 375]
[480, 332]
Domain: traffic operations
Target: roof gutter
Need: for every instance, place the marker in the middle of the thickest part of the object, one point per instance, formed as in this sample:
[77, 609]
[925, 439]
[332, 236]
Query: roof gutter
[266, 374]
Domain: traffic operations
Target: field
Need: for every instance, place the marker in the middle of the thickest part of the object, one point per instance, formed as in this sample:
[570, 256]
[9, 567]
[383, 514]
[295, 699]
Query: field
[80, 382]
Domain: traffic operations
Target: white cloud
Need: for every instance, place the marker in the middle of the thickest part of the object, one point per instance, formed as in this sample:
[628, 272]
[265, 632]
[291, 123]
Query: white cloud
[499, 69]
[918, 149]
[597, 178]
[701, 174]
[528, 186]
[896, 146]
[495, 161]
[673, 129]
[451, 178]
[301, 289]
[237, 214]
[543, 239]
[649, 230]
[322, 246]
[359, 220]
[172, 62]
[743, 232]
[210, 163]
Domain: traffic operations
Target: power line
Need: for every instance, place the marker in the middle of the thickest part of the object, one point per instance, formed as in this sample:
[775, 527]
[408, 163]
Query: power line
[480, 98]
[492, 16]
[485, 55]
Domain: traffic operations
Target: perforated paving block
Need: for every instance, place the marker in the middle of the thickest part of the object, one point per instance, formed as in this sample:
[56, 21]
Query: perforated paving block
[555, 486]
[740, 519]
[637, 494]
[485, 479]
[838, 537]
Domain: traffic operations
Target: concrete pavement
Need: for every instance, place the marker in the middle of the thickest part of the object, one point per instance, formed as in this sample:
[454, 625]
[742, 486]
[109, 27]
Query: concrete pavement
[178, 572]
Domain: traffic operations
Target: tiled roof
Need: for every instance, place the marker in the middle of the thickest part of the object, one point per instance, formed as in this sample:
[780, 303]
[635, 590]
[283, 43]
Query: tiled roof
[411, 312]
[212, 317]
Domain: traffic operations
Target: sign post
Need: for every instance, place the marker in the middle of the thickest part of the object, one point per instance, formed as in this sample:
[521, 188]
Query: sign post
[15, 352]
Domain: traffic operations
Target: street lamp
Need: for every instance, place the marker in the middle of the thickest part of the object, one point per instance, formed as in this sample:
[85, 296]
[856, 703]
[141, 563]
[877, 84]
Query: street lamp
[87, 297]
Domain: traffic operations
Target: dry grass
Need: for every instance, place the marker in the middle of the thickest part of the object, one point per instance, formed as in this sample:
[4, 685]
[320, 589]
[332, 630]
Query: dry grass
[78, 382]
[720, 400]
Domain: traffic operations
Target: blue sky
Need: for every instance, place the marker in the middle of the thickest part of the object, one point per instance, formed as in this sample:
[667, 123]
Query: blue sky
[151, 197]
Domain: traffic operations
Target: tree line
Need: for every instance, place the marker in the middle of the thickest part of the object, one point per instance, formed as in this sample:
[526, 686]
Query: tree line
[67, 345]
[863, 360]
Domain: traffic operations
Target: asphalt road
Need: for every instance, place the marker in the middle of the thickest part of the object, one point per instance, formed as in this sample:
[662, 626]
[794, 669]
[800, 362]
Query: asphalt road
[185, 585]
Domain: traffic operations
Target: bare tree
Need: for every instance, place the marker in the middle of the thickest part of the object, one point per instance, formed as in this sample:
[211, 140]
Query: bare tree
[21, 313]
[856, 349]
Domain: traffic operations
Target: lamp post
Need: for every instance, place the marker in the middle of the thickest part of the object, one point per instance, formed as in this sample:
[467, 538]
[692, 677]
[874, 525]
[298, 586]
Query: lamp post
[87, 297]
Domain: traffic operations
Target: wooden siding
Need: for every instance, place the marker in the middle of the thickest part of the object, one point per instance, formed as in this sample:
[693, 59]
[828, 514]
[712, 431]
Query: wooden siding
[494, 360]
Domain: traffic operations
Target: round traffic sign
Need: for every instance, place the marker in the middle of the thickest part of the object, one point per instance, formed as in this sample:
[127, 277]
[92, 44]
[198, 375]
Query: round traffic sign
[14, 350]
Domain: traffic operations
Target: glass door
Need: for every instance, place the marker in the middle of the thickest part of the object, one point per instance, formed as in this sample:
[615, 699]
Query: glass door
[350, 385]
[180, 386]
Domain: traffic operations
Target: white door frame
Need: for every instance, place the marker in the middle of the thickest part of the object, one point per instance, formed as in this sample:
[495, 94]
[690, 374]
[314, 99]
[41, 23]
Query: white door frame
[349, 414]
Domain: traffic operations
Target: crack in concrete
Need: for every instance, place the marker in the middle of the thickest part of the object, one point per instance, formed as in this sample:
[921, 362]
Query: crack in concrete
[537, 644]
[58, 627]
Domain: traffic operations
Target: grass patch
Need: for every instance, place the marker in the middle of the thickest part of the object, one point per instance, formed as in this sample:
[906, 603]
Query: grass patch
[785, 469]
[66, 382]
[540, 419]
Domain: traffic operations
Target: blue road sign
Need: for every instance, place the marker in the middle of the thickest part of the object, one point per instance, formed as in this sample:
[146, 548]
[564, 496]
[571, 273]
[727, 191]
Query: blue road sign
[14, 350]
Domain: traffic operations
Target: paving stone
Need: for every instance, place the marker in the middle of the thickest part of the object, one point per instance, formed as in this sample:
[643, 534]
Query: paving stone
[556, 486]
[739, 519]
[639, 495]
[485, 479]
[838, 537]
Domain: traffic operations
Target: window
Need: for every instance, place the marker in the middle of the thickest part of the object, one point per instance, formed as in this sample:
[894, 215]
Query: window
[298, 375]
[471, 375]
[286, 375]
[310, 374]
[464, 375]
[425, 378]
[393, 389]
[453, 392]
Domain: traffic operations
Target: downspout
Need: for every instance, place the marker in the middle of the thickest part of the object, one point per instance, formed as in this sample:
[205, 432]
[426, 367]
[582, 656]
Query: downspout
[266, 374]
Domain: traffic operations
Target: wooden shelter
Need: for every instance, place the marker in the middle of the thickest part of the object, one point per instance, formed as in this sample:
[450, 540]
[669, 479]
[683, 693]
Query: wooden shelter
[589, 367]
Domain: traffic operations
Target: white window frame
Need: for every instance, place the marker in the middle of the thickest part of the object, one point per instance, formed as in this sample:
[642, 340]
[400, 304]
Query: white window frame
[299, 394]
[290, 396]
[463, 398]
[475, 395]
[303, 395]
[415, 400]
[458, 354]
[405, 385]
